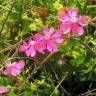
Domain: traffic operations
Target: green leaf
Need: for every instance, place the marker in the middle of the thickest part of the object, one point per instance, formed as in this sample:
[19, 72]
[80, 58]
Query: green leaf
[85, 8]
[25, 28]
[79, 6]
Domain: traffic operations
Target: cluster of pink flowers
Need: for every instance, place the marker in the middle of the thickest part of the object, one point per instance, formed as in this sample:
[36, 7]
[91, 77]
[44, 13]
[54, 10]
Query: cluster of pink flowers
[71, 23]
[48, 41]
[13, 69]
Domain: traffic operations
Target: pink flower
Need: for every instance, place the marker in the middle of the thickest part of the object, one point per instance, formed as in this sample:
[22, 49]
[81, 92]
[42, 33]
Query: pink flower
[30, 47]
[71, 23]
[3, 90]
[94, 18]
[14, 68]
[50, 39]
[40, 43]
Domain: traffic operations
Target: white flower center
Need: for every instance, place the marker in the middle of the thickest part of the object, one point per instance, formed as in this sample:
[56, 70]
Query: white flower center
[74, 19]
[32, 42]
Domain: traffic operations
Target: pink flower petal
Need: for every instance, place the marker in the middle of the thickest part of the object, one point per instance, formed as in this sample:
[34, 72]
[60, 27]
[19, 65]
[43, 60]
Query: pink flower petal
[38, 37]
[14, 71]
[80, 31]
[4, 90]
[51, 30]
[76, 30]
[66, 28]
[57, 34]
[83, 20]
[51, 47]
[23, 48]
[6, 73]
[27, 52]
[72, 12]
[46, 32]
[59, 40]
[41, 46]
[94, 18]
[56, 37]
[20, 65]
[64, 17]
[31, 51]
[8, 64]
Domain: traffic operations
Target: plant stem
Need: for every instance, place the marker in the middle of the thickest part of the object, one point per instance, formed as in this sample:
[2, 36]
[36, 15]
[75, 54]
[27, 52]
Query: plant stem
[59, 83]
[34, 71]
[7, 17]
[92, 6]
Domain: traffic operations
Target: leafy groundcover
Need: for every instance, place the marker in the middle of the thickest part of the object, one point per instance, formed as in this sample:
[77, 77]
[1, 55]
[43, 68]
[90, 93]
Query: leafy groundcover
[47, 47]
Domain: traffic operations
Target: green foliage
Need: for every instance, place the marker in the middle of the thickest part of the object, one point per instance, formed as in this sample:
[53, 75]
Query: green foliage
[73, 56]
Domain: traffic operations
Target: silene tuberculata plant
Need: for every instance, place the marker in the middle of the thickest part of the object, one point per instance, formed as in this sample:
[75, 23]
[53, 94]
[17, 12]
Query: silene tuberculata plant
[49, 41]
